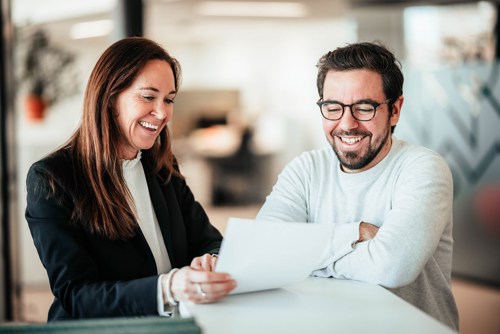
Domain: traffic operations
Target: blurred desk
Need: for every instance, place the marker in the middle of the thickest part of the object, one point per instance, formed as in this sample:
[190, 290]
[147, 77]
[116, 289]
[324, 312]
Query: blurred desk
[317, 305]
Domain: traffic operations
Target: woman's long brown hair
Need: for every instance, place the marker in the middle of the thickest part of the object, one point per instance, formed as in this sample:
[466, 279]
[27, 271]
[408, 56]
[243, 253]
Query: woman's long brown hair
[106, 207]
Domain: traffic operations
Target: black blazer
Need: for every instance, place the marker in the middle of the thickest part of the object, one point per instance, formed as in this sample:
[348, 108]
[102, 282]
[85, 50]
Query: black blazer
[93, 276]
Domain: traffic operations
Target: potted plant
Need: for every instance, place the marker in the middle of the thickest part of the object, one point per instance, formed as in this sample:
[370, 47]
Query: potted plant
[46, 73]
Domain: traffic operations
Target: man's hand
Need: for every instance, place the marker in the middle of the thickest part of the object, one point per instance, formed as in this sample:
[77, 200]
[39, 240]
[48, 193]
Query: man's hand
[367, 231]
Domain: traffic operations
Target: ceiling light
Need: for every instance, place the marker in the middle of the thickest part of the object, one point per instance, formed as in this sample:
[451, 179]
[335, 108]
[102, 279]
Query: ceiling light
[252, 9]
[91, 29]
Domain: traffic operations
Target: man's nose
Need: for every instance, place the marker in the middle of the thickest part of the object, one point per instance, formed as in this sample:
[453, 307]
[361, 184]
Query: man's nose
[347, 121]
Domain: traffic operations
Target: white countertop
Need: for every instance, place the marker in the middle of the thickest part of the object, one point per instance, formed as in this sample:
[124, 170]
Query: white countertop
[317, 305]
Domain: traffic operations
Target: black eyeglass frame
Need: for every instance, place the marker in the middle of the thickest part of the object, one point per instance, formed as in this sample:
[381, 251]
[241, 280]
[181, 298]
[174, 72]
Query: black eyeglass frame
[375, 105]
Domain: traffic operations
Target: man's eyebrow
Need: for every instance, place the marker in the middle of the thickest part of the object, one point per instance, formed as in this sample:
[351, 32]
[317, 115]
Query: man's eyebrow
[365, 100]
[368, 100]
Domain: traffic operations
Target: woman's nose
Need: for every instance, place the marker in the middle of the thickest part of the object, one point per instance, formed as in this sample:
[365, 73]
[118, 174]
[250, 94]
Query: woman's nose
[161, 111]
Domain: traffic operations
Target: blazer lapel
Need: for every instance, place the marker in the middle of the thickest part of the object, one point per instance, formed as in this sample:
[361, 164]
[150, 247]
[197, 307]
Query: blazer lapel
[161, 211]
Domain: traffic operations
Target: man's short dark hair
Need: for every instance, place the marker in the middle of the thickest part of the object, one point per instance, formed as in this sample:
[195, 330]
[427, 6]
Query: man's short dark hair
[369, 56]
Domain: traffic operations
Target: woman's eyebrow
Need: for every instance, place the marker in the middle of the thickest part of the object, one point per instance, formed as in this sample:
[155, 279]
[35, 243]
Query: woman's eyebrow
[150, 88]
[157, 90]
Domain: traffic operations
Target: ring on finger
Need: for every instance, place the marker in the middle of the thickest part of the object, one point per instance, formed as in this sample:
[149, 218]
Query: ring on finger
[200, 291]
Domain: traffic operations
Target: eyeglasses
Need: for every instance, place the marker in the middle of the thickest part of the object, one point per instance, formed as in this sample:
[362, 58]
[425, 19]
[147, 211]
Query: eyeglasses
[361, 111]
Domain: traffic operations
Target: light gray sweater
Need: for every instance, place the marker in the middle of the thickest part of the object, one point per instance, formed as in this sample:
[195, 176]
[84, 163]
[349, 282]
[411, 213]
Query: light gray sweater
[408, 195]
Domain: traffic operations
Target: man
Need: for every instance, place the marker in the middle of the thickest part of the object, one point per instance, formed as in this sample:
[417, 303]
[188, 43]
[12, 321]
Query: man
[390, 201]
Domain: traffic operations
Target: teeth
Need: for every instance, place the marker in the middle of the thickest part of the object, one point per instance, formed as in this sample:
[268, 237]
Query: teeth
[148, 125]
[350, 140]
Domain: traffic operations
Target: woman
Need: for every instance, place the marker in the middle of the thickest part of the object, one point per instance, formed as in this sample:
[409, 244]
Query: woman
[110, 214]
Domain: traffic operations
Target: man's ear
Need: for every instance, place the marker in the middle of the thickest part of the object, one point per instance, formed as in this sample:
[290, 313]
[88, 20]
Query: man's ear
[396, 110]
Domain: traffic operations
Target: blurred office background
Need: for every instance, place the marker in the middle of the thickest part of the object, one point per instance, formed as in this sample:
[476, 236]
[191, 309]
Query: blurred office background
[247, 106]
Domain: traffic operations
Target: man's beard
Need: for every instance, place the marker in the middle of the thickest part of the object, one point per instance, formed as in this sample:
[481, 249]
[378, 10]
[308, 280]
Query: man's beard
[350, 159]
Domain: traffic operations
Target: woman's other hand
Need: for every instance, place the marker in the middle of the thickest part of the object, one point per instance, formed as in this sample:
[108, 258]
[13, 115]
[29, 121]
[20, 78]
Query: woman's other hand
[200, 286]
[205, 262]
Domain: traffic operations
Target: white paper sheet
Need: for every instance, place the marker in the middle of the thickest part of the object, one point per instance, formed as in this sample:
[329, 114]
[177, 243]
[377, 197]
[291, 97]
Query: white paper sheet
[266, 255]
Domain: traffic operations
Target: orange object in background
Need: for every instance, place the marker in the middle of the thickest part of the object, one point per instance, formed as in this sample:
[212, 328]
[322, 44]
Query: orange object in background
[35, 108]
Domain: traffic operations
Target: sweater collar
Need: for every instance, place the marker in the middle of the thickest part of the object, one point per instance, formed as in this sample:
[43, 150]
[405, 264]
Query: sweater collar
[131, 164]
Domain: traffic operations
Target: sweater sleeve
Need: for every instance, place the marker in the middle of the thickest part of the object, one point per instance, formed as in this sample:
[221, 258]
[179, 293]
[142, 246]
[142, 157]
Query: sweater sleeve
[290, 201]
[410, 233]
